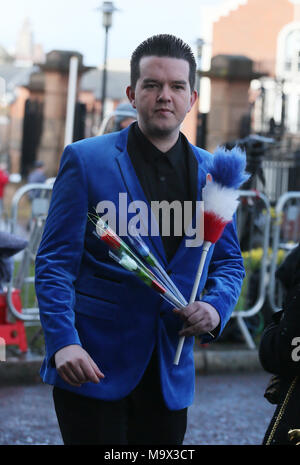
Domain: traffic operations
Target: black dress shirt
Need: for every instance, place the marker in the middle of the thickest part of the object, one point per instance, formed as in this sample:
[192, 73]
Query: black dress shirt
[172, 175]
[164, 176]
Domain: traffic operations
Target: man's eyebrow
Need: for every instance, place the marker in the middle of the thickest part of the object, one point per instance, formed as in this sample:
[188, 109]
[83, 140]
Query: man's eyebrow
[180, 82]
[148, 80]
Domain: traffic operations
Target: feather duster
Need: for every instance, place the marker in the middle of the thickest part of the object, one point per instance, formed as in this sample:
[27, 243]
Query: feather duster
[226, 173]
[220, 195]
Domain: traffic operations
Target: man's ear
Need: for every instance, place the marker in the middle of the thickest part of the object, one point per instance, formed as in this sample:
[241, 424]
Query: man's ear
[194, 96]
[131, 95]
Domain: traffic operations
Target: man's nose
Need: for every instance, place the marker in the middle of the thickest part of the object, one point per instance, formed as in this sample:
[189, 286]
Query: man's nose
[164, 94]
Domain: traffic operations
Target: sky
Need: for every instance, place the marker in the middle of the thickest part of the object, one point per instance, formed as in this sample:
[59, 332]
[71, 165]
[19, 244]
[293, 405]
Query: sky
[77, 24]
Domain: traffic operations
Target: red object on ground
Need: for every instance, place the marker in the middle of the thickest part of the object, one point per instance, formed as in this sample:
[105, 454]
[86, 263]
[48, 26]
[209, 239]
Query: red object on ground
[13, 333]
[3, 181]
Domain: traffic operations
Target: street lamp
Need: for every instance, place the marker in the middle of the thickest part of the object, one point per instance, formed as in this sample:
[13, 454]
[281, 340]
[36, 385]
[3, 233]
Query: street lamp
[201, 118]
[199, 45]
[107, 9]
[283, 108]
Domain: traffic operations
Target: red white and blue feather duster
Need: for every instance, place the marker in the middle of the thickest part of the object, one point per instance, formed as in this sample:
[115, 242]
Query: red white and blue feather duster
[225, 174]
[220, 195]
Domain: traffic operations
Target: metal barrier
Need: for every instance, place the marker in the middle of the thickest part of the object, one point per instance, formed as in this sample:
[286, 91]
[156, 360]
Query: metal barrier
[285, 245]
[22, 279]
[38, 216]
[246, 313]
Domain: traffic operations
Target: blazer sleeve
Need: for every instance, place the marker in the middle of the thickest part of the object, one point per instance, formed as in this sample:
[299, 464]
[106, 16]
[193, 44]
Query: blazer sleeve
[59, 255]
[225, 276]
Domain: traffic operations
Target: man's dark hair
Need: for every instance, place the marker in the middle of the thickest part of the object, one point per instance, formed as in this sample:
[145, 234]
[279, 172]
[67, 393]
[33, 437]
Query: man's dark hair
[162, 45]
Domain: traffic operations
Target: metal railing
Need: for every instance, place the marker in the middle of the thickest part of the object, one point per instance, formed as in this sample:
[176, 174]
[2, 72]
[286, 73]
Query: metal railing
[239, 315]
[23, 279]
[286, 243]
[266, 282]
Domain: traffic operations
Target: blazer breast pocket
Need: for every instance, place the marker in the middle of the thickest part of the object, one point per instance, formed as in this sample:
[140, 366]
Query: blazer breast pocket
[96, 307]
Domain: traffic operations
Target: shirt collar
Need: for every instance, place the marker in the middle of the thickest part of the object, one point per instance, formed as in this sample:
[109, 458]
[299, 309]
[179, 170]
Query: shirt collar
[152, 154]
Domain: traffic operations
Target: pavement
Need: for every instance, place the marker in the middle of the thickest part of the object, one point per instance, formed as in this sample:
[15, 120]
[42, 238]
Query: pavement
[229, 406]
[223, 358]
[228, 409]
[211, 359]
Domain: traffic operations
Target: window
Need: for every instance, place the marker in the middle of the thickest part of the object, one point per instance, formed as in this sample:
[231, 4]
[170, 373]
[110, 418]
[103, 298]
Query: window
[292, 52]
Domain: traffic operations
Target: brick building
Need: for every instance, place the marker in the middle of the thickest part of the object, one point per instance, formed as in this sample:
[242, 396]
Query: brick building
[268, 33]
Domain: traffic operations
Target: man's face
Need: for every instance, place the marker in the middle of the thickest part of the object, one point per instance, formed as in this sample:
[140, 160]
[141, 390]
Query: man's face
[162, 95]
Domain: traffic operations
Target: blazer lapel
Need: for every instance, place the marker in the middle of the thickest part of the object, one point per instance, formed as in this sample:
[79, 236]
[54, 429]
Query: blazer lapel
[135, 194]
[197, 181]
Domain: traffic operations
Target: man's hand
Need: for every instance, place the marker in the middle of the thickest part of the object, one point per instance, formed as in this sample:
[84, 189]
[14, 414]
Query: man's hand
[199, 318]
[75, 366]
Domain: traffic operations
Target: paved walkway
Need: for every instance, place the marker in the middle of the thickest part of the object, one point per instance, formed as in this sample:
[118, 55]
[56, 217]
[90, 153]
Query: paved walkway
[229, 409]
[229, 406]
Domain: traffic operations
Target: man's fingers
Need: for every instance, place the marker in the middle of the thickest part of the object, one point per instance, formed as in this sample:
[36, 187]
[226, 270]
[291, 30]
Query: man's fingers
[187, 311]
[79, 374]
[195, 319]
[199, 318]
[193, 330]
[196, 326]
[68, 376]
[91, 371]
[75, 366]
[95, 368]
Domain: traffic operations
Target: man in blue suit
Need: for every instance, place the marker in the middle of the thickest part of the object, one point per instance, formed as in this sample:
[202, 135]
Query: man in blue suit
[110, 340]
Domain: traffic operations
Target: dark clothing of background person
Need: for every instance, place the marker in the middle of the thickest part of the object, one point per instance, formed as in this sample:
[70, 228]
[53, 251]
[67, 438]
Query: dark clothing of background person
[36, 176]
[275, 352]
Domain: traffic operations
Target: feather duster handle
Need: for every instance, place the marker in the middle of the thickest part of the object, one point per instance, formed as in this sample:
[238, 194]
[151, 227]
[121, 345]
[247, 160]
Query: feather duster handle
[226, 173]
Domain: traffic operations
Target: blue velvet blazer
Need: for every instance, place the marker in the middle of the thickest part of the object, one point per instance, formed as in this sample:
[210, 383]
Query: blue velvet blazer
[86, 298]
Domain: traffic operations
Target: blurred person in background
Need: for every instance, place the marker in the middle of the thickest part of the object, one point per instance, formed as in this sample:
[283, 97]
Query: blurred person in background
[125, 114]
[279, 353]
[37, 175]
[121, 118]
